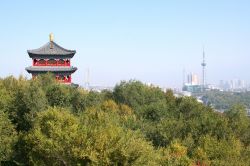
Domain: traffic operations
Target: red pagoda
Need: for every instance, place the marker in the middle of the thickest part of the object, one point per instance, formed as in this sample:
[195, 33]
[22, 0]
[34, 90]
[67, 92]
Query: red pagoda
[52, 58]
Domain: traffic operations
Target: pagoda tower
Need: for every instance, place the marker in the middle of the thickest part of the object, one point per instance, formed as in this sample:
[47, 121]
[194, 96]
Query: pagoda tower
[54, 59]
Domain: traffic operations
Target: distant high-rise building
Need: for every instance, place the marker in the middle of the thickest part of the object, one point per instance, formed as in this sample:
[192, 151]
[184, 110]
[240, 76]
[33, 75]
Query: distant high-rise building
[195, 79]
[192, 79]
[233, 85]
[222, 84]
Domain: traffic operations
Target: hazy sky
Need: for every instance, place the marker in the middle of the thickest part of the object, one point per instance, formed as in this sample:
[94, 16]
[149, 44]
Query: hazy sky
[149, 40]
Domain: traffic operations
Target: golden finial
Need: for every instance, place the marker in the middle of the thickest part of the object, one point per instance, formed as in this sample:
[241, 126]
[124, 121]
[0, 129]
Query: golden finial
[51, 37]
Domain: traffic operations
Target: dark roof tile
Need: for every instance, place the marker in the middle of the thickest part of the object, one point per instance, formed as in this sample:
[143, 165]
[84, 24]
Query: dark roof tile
[51, 48]
[50, 69]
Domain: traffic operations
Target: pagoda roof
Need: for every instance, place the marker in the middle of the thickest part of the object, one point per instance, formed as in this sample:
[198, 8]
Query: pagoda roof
[51, 49]
[53, 69]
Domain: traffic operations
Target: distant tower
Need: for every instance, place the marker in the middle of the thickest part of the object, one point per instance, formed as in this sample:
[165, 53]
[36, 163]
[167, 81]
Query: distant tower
[87, 79]
[203, 64]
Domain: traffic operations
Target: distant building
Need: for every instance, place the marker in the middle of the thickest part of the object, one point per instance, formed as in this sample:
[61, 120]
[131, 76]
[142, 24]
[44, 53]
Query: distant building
[212, 87]
[192, 85]
[192, 88]
[192, 79]
[52, 58]
[233, 85]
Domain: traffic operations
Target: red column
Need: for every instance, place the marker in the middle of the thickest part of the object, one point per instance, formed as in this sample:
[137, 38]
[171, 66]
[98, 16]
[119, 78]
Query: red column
[69, 78]
[35, 61]
[67, 62]
[64, 78]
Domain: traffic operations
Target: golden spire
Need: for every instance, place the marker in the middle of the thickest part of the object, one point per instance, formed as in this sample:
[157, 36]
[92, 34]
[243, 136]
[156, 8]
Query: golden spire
[51, 37]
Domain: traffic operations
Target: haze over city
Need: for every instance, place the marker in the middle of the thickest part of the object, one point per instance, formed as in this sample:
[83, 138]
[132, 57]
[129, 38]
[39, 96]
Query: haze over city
[152, 41]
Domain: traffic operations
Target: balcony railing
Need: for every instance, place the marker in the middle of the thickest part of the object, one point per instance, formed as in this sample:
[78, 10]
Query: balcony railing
[48, 62]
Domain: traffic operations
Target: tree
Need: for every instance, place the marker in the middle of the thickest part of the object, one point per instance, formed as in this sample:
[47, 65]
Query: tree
[46, 80]
[35, 101]
[93, 99]
[115, 145]
[5, 99]
[8, 137]
[55, 139]
[239, 122]
[136, 94]
[78, 100]
[28, 99]
[58, 95]
[175, 155]
[60, 138]
[222, 152]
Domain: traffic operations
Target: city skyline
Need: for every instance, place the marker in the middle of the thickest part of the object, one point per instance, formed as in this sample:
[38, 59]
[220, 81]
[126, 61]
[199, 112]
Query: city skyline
[149, 41]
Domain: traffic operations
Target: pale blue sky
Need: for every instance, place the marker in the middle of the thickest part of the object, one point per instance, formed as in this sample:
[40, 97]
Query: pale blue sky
[148, 40]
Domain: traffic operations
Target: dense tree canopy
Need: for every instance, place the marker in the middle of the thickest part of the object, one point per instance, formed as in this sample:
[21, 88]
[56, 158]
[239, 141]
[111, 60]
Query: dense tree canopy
[224, 100]
[43, 122]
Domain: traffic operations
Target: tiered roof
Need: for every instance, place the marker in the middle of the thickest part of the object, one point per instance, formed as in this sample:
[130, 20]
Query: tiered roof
[53, 69]
[51, 50]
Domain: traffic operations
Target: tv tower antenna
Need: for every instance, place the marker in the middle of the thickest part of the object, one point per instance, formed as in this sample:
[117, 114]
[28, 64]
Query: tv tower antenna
[203, 64]
[87, 80]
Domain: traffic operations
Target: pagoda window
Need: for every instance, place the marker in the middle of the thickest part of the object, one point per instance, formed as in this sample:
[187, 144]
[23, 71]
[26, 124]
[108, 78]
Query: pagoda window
[51, 62]
[61, 62]
[41, 62]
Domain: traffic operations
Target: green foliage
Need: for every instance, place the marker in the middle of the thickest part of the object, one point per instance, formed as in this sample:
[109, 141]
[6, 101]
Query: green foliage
[136, 94]
[154, 111]
[222, 152]
[60, 138]
[5, 99]
[78, 100]
[239, 123]
[93, 99]
[225, 100]
[8, 137]
[34, 97]
[58, 95]
[114, 145]
[43, 122]
[54, 138]
[46, 80]
[175, 155]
